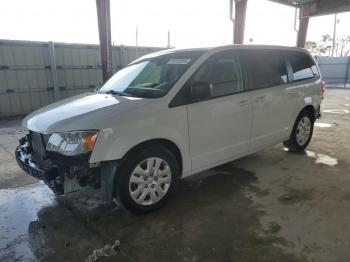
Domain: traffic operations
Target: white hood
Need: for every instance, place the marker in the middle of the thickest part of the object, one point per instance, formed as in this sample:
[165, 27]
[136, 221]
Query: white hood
[82, 112]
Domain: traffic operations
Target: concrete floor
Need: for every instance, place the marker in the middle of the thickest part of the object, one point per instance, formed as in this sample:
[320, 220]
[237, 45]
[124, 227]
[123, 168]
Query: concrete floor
[270, 206]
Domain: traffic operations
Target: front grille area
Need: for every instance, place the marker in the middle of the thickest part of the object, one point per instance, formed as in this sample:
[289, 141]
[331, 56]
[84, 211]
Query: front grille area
[38, 142]
[53, 168]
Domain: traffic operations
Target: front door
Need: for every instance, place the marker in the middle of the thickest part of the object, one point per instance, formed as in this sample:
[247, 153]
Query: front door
[220, 124]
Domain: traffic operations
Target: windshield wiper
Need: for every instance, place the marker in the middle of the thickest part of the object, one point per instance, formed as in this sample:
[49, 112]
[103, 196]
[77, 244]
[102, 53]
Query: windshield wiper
[118, 93]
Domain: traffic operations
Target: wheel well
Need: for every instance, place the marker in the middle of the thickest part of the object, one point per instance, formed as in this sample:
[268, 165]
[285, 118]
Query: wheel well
[311, 110]
[171, 146]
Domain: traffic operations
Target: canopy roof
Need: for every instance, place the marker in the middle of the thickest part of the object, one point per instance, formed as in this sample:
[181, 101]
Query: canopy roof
[319, 7]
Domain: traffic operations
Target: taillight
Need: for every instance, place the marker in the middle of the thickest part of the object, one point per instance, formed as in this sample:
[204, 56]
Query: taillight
[323, 87]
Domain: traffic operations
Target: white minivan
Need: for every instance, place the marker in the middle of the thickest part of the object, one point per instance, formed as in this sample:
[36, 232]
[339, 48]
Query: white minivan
[169, 115]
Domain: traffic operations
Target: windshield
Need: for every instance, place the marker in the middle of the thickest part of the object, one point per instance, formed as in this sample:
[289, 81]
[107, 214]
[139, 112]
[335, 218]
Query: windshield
[151, 77]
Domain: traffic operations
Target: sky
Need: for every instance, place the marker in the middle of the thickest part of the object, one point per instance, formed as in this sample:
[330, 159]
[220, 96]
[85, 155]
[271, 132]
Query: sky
[192, 23]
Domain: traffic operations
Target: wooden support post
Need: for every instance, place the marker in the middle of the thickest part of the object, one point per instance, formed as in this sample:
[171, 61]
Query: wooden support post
[104, 28]
[304, 16]
[240, 14]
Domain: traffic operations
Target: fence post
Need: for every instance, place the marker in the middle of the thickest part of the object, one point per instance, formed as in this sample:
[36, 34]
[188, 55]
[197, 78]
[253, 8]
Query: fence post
[347, 72]
[122, 55]
[53, 67]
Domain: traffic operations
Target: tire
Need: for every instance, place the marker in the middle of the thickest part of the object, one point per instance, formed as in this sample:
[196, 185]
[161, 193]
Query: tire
[140, 186]
[301, 133]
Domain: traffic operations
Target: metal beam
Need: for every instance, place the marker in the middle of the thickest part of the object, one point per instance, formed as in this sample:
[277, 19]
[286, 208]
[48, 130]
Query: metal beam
[319, 7]
[295, 3]
[334, 34]
[104, 28]
[326, 7]
[240, 14]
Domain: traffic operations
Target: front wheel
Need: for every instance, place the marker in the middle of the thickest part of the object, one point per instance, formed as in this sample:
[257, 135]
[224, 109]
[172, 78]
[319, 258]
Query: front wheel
[146, 179]
[301, 133]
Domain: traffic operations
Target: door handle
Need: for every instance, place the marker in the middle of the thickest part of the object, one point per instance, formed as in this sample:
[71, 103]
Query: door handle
[243, 102]
[260, 99]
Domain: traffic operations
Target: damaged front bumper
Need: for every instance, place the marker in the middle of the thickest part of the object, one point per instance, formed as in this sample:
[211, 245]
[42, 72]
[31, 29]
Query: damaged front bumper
[62, 174]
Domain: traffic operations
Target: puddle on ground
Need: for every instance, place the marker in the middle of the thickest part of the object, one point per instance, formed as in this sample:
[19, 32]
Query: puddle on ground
[322, 158]
[322, 124]
[292, 196]
[319, 158]
[336, 111]
[18, 208]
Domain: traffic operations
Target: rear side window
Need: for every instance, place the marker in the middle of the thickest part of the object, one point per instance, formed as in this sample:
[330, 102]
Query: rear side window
[263, 68]
[222, 71]
[303, 66]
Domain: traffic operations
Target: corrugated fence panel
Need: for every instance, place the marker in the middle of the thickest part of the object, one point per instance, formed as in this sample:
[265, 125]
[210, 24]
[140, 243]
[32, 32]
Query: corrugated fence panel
[26, 81]
[24, 77]
[335, 70]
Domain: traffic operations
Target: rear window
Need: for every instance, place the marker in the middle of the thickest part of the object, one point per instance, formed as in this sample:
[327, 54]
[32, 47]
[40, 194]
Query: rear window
[303, 66]
[263, 68]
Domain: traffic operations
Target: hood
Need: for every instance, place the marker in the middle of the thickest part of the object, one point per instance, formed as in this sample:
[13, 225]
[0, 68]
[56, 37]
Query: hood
[82, 112]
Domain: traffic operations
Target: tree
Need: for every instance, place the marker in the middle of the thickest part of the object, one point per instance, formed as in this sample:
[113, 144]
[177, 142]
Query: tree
[315, 48]
[311, 46]
[342, 45]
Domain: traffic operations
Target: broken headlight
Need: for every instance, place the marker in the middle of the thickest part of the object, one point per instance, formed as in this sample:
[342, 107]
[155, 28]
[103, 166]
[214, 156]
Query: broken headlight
[72, 143]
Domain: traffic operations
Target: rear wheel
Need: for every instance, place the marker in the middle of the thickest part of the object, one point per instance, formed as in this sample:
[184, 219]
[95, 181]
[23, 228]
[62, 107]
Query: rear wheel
[146, 179]
[301, 133]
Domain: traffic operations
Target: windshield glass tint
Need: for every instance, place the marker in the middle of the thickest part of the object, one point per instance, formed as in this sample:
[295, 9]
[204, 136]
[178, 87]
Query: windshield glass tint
[151, 77]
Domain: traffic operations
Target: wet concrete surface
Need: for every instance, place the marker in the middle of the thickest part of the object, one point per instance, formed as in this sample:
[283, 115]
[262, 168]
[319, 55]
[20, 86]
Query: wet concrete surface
[18, 208]
[270, 206]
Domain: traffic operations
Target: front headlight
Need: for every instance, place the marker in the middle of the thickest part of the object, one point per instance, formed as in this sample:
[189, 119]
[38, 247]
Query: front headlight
[72, 143]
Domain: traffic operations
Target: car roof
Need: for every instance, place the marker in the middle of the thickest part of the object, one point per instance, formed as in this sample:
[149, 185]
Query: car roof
[219, 48]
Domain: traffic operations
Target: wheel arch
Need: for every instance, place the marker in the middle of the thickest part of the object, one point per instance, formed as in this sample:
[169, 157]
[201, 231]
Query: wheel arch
[168, 144]
[291, 144]
[311, 110]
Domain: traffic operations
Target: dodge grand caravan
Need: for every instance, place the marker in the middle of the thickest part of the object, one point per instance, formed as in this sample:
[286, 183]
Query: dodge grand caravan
[171, 114]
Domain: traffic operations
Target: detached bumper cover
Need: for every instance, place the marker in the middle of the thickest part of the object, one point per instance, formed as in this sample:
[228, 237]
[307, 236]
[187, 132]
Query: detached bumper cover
[61, 173]
[51, 176]
[25, 162]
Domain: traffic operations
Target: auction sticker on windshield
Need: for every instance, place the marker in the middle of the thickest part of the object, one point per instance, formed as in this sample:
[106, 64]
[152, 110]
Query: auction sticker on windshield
[179, 61]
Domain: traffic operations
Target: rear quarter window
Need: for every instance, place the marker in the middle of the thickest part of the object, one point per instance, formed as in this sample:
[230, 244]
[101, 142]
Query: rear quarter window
[303, 66]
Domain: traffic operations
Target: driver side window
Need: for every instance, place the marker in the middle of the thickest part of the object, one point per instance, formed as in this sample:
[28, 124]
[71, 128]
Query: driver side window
[222, 72]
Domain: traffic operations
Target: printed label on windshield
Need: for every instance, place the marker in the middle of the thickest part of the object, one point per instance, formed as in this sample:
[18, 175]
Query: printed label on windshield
[175, 61]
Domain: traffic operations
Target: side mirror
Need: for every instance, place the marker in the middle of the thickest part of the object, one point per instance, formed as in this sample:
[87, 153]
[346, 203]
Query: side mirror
[201, 90]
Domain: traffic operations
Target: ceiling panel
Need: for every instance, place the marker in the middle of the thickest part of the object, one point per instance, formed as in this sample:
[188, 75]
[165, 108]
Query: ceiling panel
[319, 7]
